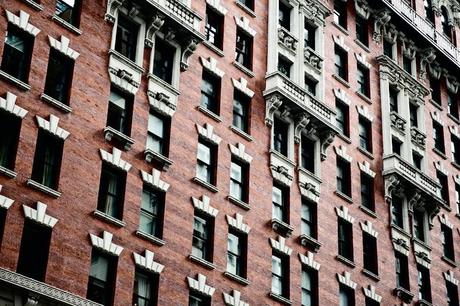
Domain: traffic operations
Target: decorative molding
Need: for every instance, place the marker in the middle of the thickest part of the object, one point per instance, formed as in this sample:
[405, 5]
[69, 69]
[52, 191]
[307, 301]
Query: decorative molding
[366, 168]
[22, 22]
[105, 243]
[147, 262]
[362, 59]
[367, 227]
[154, 180]
[427, 57]
[9, 104]
[271, 106]
[280, 245]
[444, 219]
[52, 126]
[342, 152]
[242, 86]
[4, 201]
[440, 167]
[345, 279]
[237, 223]
[342, 95]
[364, 111]
[457, 178]
[115, 159]
[207, 132]
[454, 131]
[204, 206]
[200, 285]
[239, 151]
[381, 19]
[234, 299]
[401, 245]
[370, 293]
[340, 41]
[123, 80]
[452, 84]
[342, 212]
[309, 261]
[39, 215]
[210, 64]
[217, 5]
[437, 117]
[243, 23]
[63, 47]
[363, 9]
[112, 10]
[450, 277]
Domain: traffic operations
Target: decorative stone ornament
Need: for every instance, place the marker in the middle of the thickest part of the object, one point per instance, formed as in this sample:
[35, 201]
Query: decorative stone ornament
[52, 126]
[146, 262]
[370, 293]
[63, 47]
[4, 201]
[154, 180]
[345, 279]
[9, 104]
[39, 215]
[237, 223]
[22, 22]
[204, 206]
[115, 159]
[234, 299]
[309, 261]
[280, 245]
[207, 132]
[105, 243]
[199, 285]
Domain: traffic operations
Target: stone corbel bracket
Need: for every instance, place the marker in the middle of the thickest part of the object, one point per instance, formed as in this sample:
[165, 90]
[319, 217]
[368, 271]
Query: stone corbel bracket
[112, 10]
[272, 105]
[187, 51]
[154, 26]
[427, 57]
[381, 19]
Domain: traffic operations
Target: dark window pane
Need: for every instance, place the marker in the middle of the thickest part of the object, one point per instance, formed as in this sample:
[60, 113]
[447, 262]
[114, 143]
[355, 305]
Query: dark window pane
[126, 41]
[367, 191]
[370, 253]
[362, 30]
[280, 136]
[309, 219]
[120, 111]
[243, 51]
[163, 61]
[214, 28]
[158, 134]
[345, 239]
[241, 111]
[47, 159]
[343, 177]
[17, 53]
[402, 271]
[309, 34]
[284, 16]
[145, 289]
[280, 198]
[365, 134]
[342, 118]
[210, 92]
[9, 141]
[112, 191]
[202, 237]
[152, 205]
[341, 63]
[438, 135]
[101, 283]
[59, 76]
[69, 11]
[340, 13]
[308, 154]
[424, 286]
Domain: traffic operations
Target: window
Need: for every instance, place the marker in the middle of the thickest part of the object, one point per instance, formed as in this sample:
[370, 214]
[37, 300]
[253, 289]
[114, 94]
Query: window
[452, 105]
[370, 253]
[309, 225]
[307, 154]
[284, 66]
[9, 141]
[362, 30]
[423, 281]
[343, 177]
[419, 225]
[210, 92]
[394, 100]
[365, 134]
[435, 86]
[363, 80]
[346, 296]
[145, 289]
[429, 13]
[284, 16]
[120, 111]
[402, 271]
[310, 85]
[241, 105]
[163, 60]
[280, 275]
[388, 49]
[2, 223]
[280, 200]
[407, 64]
[446, 28]
[367, 191]
[342, 117]
[452, 294]
[69, 11]
[47, 159]
[101, 283]
[345, 234]
[152, 210]
[206, 162]
[33, 254]
[447, 240]
[397, 212]
[236, 253]
[417, 159]
[280, 136]
[457, 197]
[59, 76]
[248, 3]
[196, 299]
[371, 302]
[203, 232]
[443, 181]
[309, 287]
[341, 63]
[243, 51]
[438, 135]
[213, 29]
[340, 13]
[111, 191]
[17, 53]
[413, 115]
[396, 145]
[126, 40]
[158, 134]
[239, 180]
[309, 33]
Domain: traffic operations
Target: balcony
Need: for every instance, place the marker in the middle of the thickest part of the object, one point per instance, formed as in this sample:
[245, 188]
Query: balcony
[287, 40]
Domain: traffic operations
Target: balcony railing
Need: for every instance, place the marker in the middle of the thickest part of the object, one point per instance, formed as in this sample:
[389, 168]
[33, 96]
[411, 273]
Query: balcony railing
[426, 28]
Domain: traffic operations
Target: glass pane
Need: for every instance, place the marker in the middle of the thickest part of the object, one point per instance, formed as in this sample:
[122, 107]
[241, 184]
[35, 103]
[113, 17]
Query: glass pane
[99, 267]
[117, 99]
[156, 125]
[233, 244]
[204, 153]
[236, 172]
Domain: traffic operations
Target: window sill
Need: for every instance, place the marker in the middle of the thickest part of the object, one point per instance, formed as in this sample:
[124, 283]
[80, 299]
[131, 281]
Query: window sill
[400, 230]
[436, 104]
[241, 133]
[58, 104]
[441, 154]
[280, 298]
[362, 45]
[456, 120]
[346, 261]
[34, 5]
[205, 184]
[237, 278]
[66, 25]
[245, 8]
[343, 196]
[281, 227]
[368, 211]
[151, 155]
[208, 265]
[371, 274]
[133, 65]
[449, 261]
[209, 113]
[213, 48]
[239, 203]
[405, 295]
[367, 153]
[342, 29]
[7, 172]
[422, 243]
[151, 238]
[364, 97]
[45, 189]
[341, 80]
[423, 302]
[22, 85]
[455, 165]
[248, 71]
[306, 240]
[110, 133]
[102, 215]
[344, 138]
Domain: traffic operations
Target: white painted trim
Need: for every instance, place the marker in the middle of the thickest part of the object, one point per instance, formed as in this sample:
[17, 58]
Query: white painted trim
[309, 261]
[341, 95]
[115, 159]
[342, 212]
[207, 132]
[342, 152]
[147, 262]
[237, 223]
[345, 279]
[4, 201]
[450, 277]
[242, 86]
[340, 41]
[52, 126]
[200, 285]
[440, 167]
[239, 151]
[105, 243]
[234, 299]
[154, 180]
[9, 104]
[210, 65]
[217, 5]
[63, 46]
[39, 215]
[365, 112]
[370, 293]
[367, 227]
[22, 21]
[243, 23]
[444, 219]
[365, 167]
[204, 206]
[280, 245]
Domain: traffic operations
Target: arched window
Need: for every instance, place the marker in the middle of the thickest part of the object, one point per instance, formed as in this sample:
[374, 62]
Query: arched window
[446, 28]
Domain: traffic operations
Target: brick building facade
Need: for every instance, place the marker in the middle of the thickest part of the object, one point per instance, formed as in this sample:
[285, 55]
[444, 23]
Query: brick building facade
[229, 152]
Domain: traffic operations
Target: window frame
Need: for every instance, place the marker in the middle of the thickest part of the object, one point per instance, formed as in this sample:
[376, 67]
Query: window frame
[163, 140]
[108, 286]
[153, 285]
[158, 216]
[282, 275]
[64, 78]
[362, 30]
[424, 283]
[365, 134]
[280, 145]
[367, 198]
[120, 189]
[280, 210]
[169, 74]
[245, 103]
[9, 142]
[244, 48]
[402, 271]
[370, 254]
[345, 239]
[313, 290]
[211, 165]
[341, 63]
[214, 25]
[340, 13]
[343, 117]
[309, 222]
[343, 177]
[244, 180]
[119, 118]
[363, 80]
[447, 241]
[241, 256]
[210, 91]
[75, 14]
[348, 293]
[206, 238]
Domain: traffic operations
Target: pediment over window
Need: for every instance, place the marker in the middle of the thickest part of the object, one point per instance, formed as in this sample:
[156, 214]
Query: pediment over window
[22, 22]
[9, 104]
[147, 262]
[199, 285]
[106, 244]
